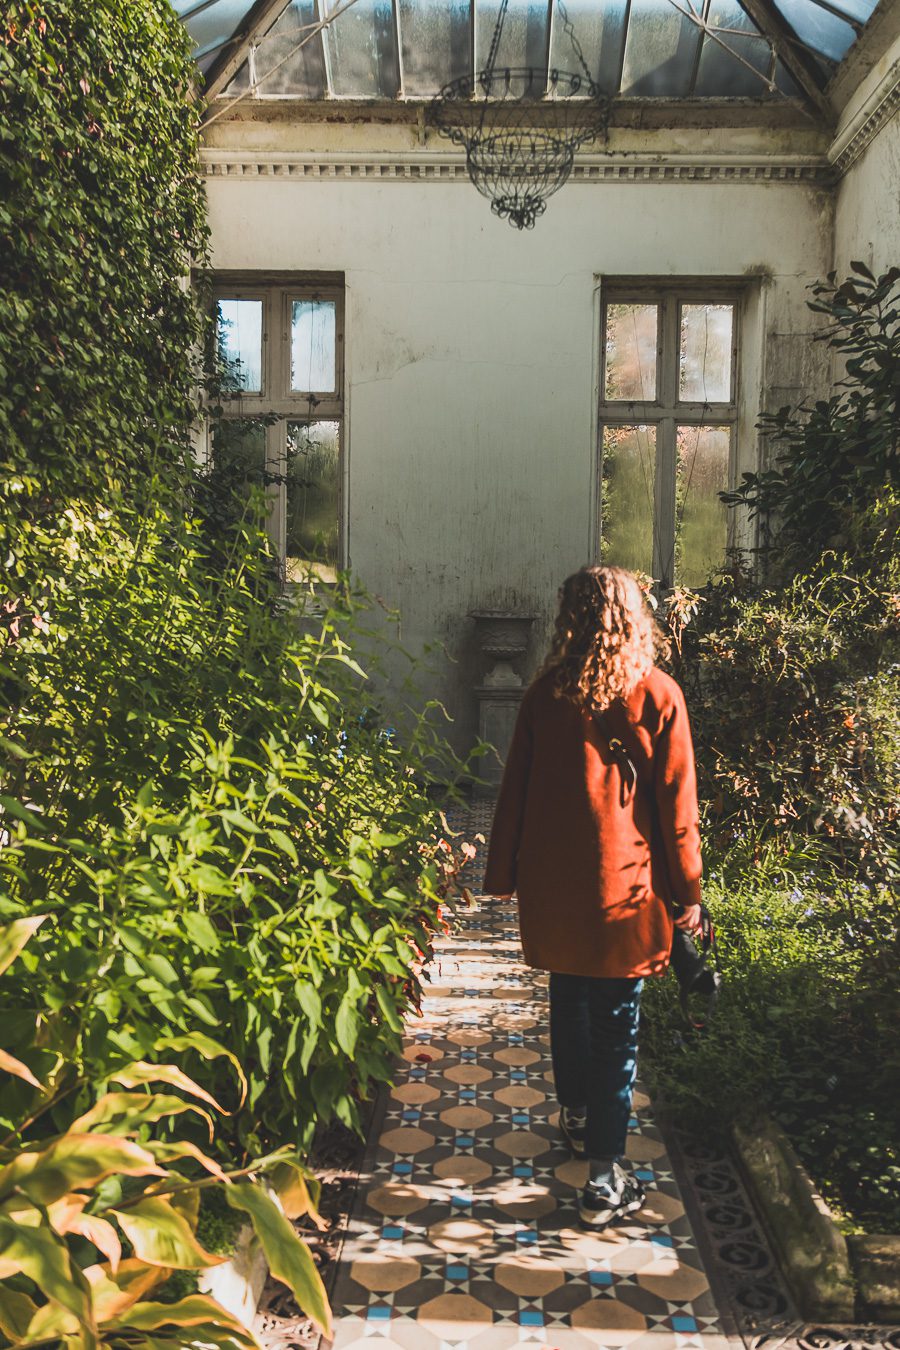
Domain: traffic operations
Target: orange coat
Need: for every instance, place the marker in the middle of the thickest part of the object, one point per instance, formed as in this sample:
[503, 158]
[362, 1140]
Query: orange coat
[596, 866]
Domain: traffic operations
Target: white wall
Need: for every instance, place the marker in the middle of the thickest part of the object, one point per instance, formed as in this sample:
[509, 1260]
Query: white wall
[471, 362]
[867, 214]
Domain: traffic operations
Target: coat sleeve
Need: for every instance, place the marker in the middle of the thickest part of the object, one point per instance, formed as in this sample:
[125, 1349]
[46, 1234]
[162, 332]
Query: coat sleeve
[506, 830]
[675, 785]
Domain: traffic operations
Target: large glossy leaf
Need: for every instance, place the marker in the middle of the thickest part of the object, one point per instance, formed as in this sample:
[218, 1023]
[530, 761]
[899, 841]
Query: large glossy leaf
[16, 1312]
[44, 1258]
[289, 1259]
[75, 1161]
[67, 1216]
[289, 1181]
[115, 1292]
[209, 1049]
[122, 1112]
[162, 1237]
[14, 936]
[139, 1072]
[165, 1152]
[194, 1311]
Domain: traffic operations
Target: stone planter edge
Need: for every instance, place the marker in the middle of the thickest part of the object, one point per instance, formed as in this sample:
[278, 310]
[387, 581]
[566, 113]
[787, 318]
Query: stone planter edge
[828, 1272]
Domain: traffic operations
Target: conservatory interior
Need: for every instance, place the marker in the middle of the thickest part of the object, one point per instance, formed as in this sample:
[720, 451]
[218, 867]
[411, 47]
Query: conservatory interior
[336, 334]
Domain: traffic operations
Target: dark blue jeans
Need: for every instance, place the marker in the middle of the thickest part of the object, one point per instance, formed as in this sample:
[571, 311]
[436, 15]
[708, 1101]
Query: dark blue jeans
[593, 1040]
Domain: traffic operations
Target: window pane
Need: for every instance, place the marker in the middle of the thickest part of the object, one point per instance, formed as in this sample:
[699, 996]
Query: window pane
[631, 352]
[240, 344]
[362, 50]
[313, 498]
[706, 343]
[701, 519]
[239, 455]
[660, 50]
[313, 341]
[435, 39]
[627, 497]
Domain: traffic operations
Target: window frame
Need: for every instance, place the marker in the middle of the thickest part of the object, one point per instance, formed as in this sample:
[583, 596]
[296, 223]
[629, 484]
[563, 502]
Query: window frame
[276, 398]
[667, 411]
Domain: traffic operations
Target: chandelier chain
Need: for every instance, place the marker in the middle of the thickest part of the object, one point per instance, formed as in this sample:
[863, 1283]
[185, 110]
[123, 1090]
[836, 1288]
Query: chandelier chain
[495, 40]
[576, 45]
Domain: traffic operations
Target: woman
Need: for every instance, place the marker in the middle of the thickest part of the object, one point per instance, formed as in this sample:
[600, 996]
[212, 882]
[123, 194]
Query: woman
[596, 830]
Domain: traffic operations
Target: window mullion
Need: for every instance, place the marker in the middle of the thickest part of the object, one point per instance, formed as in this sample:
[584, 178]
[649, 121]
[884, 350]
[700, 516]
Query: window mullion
[664, 534]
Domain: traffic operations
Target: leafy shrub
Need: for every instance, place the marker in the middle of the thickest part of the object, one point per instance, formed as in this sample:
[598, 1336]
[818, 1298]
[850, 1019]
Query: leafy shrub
[71, 1203]
[805, 1025]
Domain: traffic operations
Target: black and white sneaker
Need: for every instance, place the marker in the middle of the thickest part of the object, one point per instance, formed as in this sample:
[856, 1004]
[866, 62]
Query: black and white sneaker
[603, 1204]
[574, 1129]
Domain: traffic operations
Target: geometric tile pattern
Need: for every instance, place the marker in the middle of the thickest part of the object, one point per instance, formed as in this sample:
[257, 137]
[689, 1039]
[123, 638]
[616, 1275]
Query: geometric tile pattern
[465, 1234]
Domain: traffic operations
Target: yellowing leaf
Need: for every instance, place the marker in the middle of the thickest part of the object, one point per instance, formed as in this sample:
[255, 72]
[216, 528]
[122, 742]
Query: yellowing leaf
[289, 1183]
[195, 1310]
[67, 1216]
[209, 1049]
[9, 1064]
[139, 1072]
[122, 1112]
[164, 1152]
[115, 1293]
[162, 1237]
[73, 1162]
[44, 1258]
[289, 1259]
[14, 936]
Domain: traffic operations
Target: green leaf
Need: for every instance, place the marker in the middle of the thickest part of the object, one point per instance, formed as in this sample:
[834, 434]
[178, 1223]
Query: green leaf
[310, 1001]
[289, 1259]
[14, 937]
[201, 931]
[209, 1049]
[75, 1162]
[346, 1024]
[13, 808]
[132, 1075]
[162, 1237]
[388, 1008]
[285, 843]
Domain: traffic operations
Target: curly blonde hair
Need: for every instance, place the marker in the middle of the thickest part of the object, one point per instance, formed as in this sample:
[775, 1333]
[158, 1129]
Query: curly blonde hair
[606, 639]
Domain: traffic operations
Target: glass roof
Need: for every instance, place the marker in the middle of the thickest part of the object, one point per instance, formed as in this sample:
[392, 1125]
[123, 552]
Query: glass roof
[389, 49]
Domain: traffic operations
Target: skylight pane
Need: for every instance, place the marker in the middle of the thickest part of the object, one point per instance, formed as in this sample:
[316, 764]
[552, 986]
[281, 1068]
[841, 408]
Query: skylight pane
[290, 60]
[600, 29]
[860, 10]
[723, 70]
[661, 50]
[214, 24]
[523, 41]
[824, 33]
[434, 35]
[362, 50]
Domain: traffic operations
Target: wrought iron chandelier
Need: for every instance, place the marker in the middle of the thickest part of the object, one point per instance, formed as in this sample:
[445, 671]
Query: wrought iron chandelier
[521, 127]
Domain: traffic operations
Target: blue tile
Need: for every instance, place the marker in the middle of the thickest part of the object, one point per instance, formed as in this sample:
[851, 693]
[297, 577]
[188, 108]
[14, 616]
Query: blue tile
[411, 1115]
[378, 1314]
[392, 1233]
[526, 1236]
[523, 1171]
[531, 1317]
[464, 1141]
[645, 1174]
[518, 1075]
[520, 1118]
[680, 1323]
[468, 1095]
[402, 1168]
[457, 1272]
[661, 1240]
[461, 1200]
[600, 1277]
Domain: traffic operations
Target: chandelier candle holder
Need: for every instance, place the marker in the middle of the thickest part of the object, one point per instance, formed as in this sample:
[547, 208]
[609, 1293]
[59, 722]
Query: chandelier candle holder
[521, 127]
[502, 639]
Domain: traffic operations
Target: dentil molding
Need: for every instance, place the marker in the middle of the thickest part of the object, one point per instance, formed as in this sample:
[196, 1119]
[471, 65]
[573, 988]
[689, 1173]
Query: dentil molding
[425, 167]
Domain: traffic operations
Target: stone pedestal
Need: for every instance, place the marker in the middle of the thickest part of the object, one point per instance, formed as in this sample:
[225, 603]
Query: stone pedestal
[502, 638]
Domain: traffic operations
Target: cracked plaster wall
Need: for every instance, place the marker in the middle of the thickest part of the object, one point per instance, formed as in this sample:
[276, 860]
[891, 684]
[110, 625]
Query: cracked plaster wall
[471, 366]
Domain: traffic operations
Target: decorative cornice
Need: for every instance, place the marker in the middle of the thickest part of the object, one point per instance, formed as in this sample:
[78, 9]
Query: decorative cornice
[426, 167]
[861, 131]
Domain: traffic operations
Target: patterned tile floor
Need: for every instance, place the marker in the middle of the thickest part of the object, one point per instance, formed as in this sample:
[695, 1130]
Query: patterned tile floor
[465, 1234]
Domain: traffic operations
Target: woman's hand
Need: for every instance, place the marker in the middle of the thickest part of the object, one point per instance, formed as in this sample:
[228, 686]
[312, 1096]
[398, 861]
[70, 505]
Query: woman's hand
[690, 920]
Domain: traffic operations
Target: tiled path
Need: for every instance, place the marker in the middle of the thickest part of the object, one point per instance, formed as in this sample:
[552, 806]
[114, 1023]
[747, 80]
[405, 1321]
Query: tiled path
[465, 1233]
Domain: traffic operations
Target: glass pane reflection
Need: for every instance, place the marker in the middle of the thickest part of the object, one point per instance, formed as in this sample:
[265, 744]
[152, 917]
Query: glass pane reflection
[313, 343]
[313, 498]
[627, 496]
[660, 51]
[362, 50]
[434, 35]
[706, 349]
[240, 344]
[631, 352]
[701, 519]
